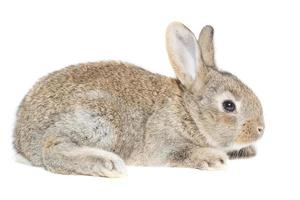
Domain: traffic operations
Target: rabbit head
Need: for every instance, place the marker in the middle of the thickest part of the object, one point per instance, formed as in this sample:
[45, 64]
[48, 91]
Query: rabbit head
[224, 109]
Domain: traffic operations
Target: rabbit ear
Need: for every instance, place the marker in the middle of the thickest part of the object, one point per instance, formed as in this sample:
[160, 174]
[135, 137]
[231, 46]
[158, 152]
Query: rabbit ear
[207, 45]
[184, 54]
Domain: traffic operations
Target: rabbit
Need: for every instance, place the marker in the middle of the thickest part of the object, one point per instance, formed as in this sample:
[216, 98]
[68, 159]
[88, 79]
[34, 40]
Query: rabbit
[95, 118]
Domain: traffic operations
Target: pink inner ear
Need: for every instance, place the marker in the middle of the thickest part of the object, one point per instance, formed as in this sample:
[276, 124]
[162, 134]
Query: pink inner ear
[186, 51]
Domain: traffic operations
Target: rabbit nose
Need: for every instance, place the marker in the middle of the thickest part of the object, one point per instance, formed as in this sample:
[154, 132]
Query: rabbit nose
[260, 130]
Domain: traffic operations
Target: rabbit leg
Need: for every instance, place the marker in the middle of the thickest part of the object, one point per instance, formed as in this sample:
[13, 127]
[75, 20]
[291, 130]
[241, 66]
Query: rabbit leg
[199, 158]
[245, 152]
[61, 155]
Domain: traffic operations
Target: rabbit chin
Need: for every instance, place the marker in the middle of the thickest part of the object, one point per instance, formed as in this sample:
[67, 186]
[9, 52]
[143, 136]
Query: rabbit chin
[236, 147]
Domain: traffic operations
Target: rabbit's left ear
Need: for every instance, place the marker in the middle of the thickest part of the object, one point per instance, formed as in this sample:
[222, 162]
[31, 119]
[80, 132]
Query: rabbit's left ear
[207, 45]
[185, 56]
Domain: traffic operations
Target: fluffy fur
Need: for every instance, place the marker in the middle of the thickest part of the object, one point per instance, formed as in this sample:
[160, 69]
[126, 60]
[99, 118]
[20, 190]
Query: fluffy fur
[93, 118]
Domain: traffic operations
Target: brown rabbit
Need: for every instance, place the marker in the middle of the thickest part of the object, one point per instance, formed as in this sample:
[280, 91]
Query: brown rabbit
[93, 118]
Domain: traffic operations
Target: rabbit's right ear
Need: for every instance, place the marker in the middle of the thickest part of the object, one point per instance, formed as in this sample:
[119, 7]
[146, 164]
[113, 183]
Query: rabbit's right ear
[207, 45]
[185, 56]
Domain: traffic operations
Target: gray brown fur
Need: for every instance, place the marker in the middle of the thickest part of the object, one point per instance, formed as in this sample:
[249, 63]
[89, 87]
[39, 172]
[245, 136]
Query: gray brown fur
[93, 118]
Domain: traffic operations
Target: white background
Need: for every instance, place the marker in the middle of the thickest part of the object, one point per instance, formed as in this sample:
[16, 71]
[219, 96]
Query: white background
[256, 40]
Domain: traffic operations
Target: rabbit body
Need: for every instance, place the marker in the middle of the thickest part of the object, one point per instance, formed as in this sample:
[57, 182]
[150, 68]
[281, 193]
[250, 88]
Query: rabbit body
[94, 118]
[112, 106]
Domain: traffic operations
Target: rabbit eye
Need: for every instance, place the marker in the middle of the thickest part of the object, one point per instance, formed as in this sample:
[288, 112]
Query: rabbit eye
[228, 106]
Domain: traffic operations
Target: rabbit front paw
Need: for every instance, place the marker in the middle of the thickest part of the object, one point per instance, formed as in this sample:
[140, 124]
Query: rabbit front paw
[245, 152]
[208, 158]
[212, 161]
[202, 158]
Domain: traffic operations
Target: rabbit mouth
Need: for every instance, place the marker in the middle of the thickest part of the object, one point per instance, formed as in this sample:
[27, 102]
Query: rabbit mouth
[241, 141]
[250, 133]
[246, 138]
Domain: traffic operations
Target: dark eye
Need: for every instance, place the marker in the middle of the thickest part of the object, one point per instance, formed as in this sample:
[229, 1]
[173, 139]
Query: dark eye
[228, 106]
